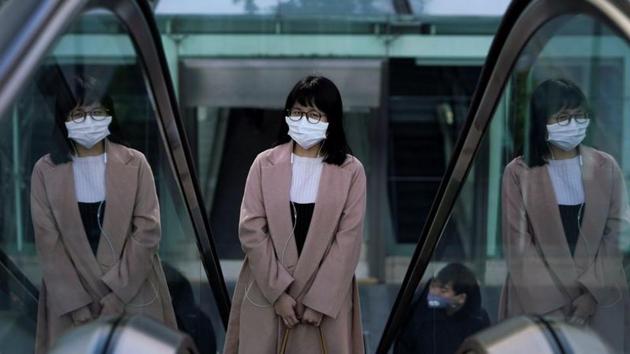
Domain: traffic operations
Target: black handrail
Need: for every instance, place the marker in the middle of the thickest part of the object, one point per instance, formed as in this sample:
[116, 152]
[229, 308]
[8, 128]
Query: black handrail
[18, 284]
[521, 21]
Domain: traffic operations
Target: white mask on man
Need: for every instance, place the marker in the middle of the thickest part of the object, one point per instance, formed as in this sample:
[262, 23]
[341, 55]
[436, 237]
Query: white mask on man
[89, 132]
[567, 137]
[306, 134]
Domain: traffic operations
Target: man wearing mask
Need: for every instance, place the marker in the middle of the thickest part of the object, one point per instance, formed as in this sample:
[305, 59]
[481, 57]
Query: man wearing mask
[446, 312]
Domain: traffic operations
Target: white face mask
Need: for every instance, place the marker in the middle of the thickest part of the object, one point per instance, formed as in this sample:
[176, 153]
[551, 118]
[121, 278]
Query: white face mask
[89, 132]
[306, 134]
[567, 137]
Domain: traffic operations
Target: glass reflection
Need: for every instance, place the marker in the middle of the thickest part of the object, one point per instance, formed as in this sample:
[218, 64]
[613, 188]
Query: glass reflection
[103, 236]
[96, 219]
[564, 209]
[544, 208]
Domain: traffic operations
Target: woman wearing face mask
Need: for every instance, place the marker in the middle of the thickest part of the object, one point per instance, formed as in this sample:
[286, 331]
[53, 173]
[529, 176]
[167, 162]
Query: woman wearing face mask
[564, 209]
[96, 220]
[301, 229]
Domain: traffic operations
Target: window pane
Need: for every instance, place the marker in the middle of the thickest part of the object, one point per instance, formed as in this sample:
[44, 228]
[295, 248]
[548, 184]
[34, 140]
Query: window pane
[99, 218]
[544, 224]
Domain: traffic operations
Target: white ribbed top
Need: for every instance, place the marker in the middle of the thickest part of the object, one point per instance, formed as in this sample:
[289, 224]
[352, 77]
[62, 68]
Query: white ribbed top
[566, 178]
[305, 181]
[89, 178]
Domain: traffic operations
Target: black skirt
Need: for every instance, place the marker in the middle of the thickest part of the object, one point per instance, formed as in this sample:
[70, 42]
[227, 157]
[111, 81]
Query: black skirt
[90, 217]
[301, 215]
[571, 223]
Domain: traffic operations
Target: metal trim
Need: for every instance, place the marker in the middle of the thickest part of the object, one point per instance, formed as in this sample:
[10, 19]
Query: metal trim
[522, 20]
[23, 53]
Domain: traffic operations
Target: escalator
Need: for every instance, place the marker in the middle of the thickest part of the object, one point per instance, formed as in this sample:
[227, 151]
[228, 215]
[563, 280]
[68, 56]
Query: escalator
[536, 40]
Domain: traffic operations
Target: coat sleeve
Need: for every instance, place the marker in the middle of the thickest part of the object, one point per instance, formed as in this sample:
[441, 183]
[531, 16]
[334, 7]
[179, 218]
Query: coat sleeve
[65, 290]
[270, 276]
[528, 272]
[334, 277]
[604, 276]
[126, 277]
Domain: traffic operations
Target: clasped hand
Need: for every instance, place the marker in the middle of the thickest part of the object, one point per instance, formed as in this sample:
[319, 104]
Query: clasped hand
[287, 308]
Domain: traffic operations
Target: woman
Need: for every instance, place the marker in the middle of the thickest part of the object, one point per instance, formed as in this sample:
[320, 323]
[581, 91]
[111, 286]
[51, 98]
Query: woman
[301, 228]
[564, 209]
[96, 220]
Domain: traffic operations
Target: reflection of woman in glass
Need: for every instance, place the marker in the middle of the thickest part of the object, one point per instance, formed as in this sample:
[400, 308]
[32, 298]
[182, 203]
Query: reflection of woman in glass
[96, 219]
[564, 209]
[301, 228]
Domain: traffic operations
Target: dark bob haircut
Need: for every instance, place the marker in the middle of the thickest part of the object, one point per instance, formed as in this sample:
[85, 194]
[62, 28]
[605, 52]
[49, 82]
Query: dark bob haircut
[550, 97]
[74, 92]
[320, 92]
[463, 281]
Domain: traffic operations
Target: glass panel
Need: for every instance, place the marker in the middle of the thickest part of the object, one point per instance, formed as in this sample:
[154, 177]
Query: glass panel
[402, 115]
[98, 218]
[544, 224]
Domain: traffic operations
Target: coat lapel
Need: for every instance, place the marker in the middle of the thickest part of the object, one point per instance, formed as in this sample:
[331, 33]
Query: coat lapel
[597, 194]
[276, 185]
[548, 231]
[120, 193]
[331, 196]
[66, 210]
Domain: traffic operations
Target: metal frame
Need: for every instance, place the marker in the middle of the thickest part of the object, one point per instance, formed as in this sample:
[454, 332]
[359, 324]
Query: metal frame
[521, 21]
[45, 22]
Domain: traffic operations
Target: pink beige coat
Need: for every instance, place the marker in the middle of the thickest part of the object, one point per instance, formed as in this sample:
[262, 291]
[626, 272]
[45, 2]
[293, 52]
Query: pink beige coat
[323, 276]
[531, 214]
[73, 276]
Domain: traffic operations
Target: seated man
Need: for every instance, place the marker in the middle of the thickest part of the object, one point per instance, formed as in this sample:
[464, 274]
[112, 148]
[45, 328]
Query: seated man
[445, 315]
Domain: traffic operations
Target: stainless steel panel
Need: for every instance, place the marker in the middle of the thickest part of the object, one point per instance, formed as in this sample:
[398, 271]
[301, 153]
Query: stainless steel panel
[265, 83]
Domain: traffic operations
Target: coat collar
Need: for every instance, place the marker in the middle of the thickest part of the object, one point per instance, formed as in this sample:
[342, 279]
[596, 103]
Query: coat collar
[545, 219]
[120, 184]
[276, 184]
[282, 154]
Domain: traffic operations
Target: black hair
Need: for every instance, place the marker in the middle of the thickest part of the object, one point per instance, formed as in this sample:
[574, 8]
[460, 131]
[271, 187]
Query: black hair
[320, 92]
[550, 97]
[463, 281]
[78, 91]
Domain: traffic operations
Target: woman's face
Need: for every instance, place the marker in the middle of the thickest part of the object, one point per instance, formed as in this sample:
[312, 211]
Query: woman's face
[79, 113]
[311, 113]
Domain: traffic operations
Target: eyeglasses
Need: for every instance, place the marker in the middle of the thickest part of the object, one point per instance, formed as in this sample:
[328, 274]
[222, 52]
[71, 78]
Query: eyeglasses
[311, 116]
[79, 115]
[565, 118]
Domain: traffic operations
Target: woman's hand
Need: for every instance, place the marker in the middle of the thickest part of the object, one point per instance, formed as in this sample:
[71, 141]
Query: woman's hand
[285, 308]
[81, 316]
[312, 317]
[112, 305]
[584, 307]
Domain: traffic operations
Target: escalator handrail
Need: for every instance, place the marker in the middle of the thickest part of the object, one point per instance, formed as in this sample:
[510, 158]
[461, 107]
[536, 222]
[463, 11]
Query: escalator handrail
[18, 284]
[521, 21]
[33, 36]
